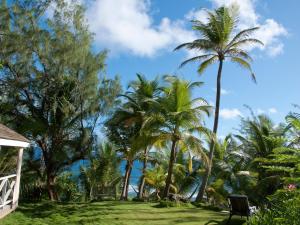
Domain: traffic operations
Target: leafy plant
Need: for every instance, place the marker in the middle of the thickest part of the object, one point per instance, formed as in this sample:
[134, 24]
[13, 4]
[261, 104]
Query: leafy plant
[284, 209]
[101, 176]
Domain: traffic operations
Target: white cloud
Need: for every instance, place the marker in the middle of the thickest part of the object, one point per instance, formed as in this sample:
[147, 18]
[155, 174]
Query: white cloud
[126, 25]
[223, 91]
[197, 15]
[270, 32]
[272, 110]
[275, 50]
[230, 113]
[260, 111]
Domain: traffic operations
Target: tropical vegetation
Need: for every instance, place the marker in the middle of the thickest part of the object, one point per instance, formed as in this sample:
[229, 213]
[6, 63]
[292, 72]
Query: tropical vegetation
[89, 135]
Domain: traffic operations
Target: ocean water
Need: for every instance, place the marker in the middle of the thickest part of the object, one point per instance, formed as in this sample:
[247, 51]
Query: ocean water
[135, 174]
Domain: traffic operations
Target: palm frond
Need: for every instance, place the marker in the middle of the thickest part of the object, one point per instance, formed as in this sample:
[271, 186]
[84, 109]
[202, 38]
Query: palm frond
[235, 52]
[198, 44]
[245, 42]
[243, 63]
[242, 35]
[203, 66]
[196, 59]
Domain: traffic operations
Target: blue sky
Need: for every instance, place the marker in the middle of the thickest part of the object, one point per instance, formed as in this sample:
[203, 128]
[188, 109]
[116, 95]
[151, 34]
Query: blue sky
[141, 34]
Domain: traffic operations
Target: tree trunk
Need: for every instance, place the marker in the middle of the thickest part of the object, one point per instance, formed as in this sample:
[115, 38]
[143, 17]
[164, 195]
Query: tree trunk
[142, 181]
[128, 182]
[128, 168]
[53, 196]
[92, 192]
[170, 170]
[195, 190]
[215, 129]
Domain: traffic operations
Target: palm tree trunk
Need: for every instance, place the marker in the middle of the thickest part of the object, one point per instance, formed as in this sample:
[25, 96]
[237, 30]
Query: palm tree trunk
[124, 194]
[170, 169]
[142, 181]
[92, 192]
[215, 129]
[128, 182]
[195, 190]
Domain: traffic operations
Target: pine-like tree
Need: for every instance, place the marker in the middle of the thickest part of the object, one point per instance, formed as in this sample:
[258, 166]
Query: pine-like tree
[52, 85]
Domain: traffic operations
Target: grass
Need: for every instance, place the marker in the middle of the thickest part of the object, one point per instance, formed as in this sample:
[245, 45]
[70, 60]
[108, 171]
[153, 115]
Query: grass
[113, 213]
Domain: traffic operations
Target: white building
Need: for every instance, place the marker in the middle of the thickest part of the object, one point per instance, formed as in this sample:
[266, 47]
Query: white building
[10, 185]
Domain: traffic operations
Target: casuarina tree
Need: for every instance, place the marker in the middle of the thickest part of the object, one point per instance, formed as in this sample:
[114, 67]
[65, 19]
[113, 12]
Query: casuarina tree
[52, 84]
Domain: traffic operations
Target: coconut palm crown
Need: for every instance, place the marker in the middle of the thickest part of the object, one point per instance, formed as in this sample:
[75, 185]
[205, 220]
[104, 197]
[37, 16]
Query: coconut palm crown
[218, 43]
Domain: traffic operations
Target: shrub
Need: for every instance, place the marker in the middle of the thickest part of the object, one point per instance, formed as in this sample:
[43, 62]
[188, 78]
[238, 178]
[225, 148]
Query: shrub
[284, 208]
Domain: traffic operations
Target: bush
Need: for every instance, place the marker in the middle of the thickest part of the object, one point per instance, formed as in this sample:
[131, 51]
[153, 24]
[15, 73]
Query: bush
[284, 208]
[67, 188]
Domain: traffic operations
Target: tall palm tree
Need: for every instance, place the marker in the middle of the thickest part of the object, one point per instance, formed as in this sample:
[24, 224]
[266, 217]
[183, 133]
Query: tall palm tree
[219, 43]
[140, 97]
[123, 135]
[178, 118]
[125, 127]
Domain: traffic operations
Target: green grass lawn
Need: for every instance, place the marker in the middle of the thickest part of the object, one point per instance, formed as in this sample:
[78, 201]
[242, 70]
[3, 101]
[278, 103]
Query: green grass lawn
[113, 213]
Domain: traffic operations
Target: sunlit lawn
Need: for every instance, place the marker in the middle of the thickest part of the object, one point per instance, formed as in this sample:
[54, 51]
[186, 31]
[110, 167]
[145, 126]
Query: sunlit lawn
[113, 213]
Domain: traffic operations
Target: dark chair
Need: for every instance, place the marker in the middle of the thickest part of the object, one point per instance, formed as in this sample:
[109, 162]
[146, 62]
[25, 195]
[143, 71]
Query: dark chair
[239, 205]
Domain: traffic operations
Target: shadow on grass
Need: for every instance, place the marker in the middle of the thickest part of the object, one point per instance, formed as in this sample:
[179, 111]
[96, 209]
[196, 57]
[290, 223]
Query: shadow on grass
[87, 213]
[233, 221]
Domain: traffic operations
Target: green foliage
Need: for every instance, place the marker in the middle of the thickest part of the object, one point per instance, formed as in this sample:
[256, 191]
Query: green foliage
[53, 91]
[293, 128]
[219, 42]
[67, 187]
[284, 209]
[217, 193]
[178, 119]
[101, 177]
[155, 178]
[259, 138]
[230, 172]
[33, 179]
[285, 162]
[8, 160]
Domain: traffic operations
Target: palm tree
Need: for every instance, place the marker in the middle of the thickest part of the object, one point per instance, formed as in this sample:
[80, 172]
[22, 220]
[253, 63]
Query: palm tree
[219, 43]
[231, 166]
[139, 99]
[101, 175]
[156, 178]
[177, 119]
[123, 135]
[259, 138]
[293, 129]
